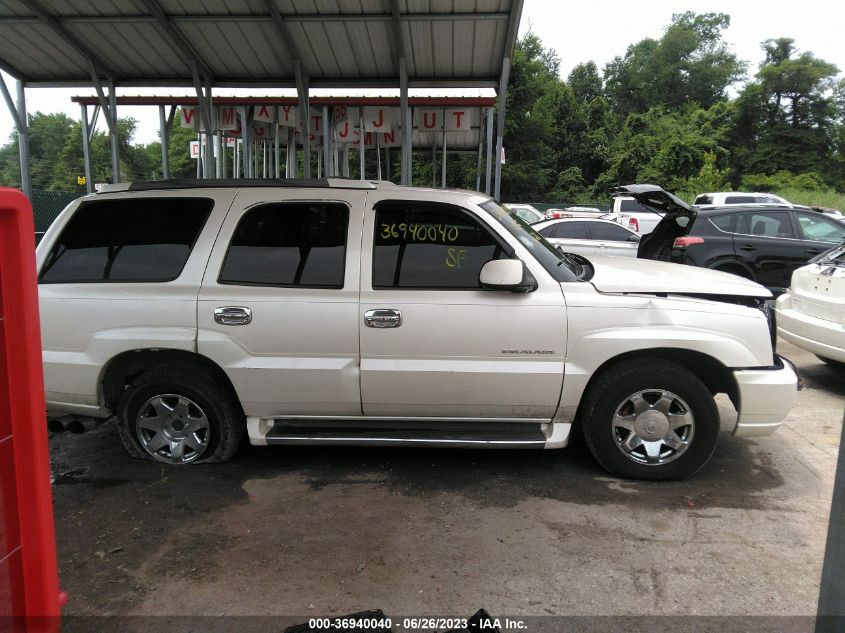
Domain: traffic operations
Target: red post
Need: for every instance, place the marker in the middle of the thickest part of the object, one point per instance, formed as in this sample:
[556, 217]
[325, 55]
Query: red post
[28, 575]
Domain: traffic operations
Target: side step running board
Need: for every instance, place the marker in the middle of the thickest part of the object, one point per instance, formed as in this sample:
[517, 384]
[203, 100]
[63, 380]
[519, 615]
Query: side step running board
[444, 436]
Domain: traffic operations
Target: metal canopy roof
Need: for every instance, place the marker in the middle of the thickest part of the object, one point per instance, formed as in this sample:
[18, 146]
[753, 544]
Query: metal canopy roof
[243, 43]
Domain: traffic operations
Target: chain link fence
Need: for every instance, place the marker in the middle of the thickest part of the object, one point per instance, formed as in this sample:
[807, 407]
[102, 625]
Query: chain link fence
[46, 205]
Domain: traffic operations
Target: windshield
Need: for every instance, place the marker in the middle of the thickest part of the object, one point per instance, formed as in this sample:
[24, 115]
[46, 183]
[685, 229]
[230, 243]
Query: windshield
[560, 266]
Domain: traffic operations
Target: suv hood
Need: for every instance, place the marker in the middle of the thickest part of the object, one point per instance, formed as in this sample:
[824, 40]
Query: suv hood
[643, 276]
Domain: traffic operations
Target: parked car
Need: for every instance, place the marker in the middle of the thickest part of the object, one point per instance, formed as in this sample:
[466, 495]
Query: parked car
[628, 212]
[554, 213]
[525, 212]
[590, 236]
[764, 244]
[811, 313]
[361, 313]
[723, 198]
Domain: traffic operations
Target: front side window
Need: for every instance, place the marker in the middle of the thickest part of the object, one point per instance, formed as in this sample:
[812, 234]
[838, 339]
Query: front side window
[126, 240]
[430, 246]
[820, 229]
[765, 224]
[288, 245]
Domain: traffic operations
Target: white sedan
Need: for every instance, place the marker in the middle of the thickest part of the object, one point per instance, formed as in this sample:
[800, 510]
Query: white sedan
[590, 236]
[811, 314]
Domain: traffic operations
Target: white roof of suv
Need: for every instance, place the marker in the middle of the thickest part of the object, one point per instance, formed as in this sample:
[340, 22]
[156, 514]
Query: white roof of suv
[721, 198]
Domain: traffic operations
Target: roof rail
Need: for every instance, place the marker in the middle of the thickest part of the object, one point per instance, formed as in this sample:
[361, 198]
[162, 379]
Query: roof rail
[218, 183]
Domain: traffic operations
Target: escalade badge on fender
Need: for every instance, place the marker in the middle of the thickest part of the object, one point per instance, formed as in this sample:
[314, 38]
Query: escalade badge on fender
[528, 351]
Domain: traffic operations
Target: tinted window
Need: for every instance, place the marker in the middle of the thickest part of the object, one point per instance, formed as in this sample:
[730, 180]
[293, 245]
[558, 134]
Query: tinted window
[609, 232]
[820, 229]
[767, 224]
[289, 244]
[704, 200]
[423, 245]
[570, 230]
[548, 231]
[631, 205]
[145, 239]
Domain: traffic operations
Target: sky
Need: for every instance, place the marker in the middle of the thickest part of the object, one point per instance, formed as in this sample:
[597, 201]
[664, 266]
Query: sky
[579, 31]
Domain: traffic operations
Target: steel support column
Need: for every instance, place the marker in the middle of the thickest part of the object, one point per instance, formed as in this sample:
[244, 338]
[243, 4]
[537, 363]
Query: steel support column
[304, 118]
[328, 172]
[86, 147]
[443, 171]
[277, 169]
[407, 126]
[165, 126]
[218, 159]
[361, 142]
[478, 163]
[489, 166]
[18, 112]
[115, 137]
[290, 167]
[500, 125]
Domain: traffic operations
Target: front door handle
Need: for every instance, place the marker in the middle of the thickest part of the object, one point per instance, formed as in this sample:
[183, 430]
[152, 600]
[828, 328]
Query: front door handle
[233, 315]
[382, 318]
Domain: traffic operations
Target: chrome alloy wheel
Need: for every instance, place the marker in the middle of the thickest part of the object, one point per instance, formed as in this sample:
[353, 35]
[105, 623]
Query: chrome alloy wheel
[173, 428]
[653, 427]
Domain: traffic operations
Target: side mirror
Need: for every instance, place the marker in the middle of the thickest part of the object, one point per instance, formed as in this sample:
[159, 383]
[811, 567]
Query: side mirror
[633, 238]
[507, 274]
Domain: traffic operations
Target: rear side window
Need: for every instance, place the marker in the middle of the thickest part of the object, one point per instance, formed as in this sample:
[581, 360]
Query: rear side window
[289, 245]
[765, 224]
[704, 200]
[571, 230]
[725, 222]
[127, 240]
[608, 232]
[429, 246]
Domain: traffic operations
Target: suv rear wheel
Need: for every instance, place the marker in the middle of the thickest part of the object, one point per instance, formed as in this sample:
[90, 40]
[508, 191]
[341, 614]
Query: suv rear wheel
[180, 414]
[652, 419]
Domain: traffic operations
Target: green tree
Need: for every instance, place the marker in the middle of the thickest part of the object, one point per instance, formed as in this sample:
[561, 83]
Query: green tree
[690, 62]
[790, 118]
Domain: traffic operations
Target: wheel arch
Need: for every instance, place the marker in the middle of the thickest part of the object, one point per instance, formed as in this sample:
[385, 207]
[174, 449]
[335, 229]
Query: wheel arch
[733, 265]
[124, 368]
[717, 377]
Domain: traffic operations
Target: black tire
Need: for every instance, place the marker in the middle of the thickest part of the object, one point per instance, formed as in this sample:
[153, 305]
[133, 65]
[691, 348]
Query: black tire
[224, 419]
[833, 364]
[616, 386]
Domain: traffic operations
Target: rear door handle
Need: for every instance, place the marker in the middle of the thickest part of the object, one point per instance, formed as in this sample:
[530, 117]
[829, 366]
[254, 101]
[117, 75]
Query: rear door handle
[382, 318]
[233, 315]
[747, 247]
[814, 251]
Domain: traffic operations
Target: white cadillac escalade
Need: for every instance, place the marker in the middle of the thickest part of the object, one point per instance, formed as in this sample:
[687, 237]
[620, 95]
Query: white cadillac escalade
[362, 313]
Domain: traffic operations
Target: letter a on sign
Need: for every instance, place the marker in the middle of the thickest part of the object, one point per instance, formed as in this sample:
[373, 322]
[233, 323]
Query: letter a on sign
[190, 118]
[264, 114]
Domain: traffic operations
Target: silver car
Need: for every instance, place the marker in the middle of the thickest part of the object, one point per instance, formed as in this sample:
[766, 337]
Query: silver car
[590, 236]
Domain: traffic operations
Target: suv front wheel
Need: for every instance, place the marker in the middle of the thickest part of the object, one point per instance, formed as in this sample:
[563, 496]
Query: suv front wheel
[180, 414]
[650, 418]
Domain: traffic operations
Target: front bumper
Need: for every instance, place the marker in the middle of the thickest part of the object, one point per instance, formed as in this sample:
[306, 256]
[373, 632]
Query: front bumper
[765, 397]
